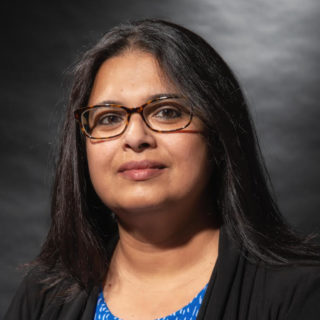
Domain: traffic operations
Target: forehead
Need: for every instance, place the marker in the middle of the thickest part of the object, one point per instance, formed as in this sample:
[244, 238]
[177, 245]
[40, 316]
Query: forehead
[130, 78]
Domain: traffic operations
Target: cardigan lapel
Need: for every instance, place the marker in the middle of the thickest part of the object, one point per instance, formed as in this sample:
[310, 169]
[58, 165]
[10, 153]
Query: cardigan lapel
[223, 281]
[82, 307]
[90, 307]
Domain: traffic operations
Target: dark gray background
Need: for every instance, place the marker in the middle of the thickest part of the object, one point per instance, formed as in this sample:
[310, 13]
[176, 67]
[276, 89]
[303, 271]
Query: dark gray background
[273, 47]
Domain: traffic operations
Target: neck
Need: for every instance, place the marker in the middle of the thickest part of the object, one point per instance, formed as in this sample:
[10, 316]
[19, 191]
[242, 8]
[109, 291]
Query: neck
[156, 251]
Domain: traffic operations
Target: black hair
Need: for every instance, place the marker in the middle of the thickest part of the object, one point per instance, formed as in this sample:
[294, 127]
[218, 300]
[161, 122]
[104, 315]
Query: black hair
[83, 231]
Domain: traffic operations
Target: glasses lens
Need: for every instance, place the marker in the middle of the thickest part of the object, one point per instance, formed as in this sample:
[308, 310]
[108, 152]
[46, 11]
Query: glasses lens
[104, 121]
[168, 115]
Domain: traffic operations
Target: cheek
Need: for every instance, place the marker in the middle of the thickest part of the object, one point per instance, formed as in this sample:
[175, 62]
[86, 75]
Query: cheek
[99, 163]
[190, 159]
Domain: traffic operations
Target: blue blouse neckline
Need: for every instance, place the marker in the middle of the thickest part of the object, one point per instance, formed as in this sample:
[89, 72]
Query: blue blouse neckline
[188, 312]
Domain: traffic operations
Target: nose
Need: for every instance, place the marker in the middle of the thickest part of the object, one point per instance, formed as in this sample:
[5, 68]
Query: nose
[137, 135]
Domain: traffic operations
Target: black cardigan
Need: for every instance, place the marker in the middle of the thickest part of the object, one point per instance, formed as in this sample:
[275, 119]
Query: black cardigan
[238, 290]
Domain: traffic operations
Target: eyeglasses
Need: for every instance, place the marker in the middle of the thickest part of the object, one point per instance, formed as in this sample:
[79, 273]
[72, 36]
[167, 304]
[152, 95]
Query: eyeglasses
[164, 114]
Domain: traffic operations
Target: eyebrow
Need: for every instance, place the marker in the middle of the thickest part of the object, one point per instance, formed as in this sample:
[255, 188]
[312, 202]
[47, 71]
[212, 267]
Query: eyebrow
[150, 98]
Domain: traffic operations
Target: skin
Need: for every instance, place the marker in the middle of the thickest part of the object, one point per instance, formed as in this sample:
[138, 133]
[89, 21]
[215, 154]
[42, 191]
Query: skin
[168, 242]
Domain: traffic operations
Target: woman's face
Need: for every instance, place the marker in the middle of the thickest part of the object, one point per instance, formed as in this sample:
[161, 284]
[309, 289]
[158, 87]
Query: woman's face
[162, 169]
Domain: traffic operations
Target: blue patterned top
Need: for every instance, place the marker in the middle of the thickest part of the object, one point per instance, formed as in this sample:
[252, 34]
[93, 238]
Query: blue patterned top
[188, 312]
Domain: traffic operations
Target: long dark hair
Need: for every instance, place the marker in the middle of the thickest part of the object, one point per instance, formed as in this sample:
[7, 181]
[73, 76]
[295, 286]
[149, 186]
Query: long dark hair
[83, 231]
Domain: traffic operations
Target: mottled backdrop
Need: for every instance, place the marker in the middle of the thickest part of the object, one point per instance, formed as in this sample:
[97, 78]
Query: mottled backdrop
[273, 47]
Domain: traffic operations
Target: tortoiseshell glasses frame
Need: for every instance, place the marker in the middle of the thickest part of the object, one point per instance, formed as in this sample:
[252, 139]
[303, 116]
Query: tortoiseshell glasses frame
[78, 114]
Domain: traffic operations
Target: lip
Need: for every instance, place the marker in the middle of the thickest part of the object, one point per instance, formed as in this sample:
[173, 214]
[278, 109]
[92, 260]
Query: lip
[141, 170]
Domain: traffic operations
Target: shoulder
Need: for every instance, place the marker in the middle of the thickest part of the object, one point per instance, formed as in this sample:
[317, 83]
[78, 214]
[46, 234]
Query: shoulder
[30, 298]
[292, 291]
[262, 291]
[291, 275]
[36, 299]
[36, 294]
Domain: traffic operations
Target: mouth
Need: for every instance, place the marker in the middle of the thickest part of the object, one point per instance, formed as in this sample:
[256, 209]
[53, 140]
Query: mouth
[141, 170]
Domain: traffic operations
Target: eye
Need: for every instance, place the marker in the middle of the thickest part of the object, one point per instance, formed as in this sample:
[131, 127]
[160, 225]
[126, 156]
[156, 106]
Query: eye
[167, 113]
[109, 119]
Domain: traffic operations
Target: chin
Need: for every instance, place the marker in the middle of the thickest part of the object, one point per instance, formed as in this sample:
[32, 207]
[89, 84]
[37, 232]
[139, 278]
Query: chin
[140, 204]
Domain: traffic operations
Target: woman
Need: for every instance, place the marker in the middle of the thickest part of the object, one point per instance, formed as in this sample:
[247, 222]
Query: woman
[161, 208]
